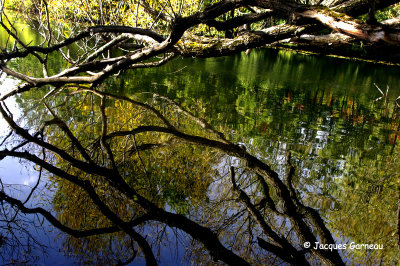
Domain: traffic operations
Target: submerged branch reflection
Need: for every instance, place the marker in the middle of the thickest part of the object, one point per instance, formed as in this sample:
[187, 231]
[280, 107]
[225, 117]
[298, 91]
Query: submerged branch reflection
[126, 171]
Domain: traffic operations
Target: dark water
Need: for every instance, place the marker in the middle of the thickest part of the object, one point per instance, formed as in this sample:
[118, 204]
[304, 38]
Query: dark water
[325, 111]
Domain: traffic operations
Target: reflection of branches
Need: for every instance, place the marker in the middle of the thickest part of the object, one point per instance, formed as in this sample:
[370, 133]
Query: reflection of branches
[133, 102]
[202, 122]
[61, 124]
[53, 220]
[282, 248]
[17, 241]
[197, 231]
[126, 227]
[104, 144]
[138, 155]
[286, 205]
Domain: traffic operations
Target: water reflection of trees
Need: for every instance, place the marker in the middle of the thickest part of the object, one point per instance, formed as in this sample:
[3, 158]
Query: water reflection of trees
[126, 173]
[347, 153]
[189, 176]
[131, 164]
[19, 241]
[368, 209]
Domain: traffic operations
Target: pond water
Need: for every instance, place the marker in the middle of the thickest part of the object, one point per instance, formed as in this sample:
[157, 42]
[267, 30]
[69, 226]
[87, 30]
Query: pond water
[327, 112]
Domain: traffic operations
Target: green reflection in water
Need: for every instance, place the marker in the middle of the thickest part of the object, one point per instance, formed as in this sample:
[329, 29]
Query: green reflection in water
[278, 95]
[322, 109]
